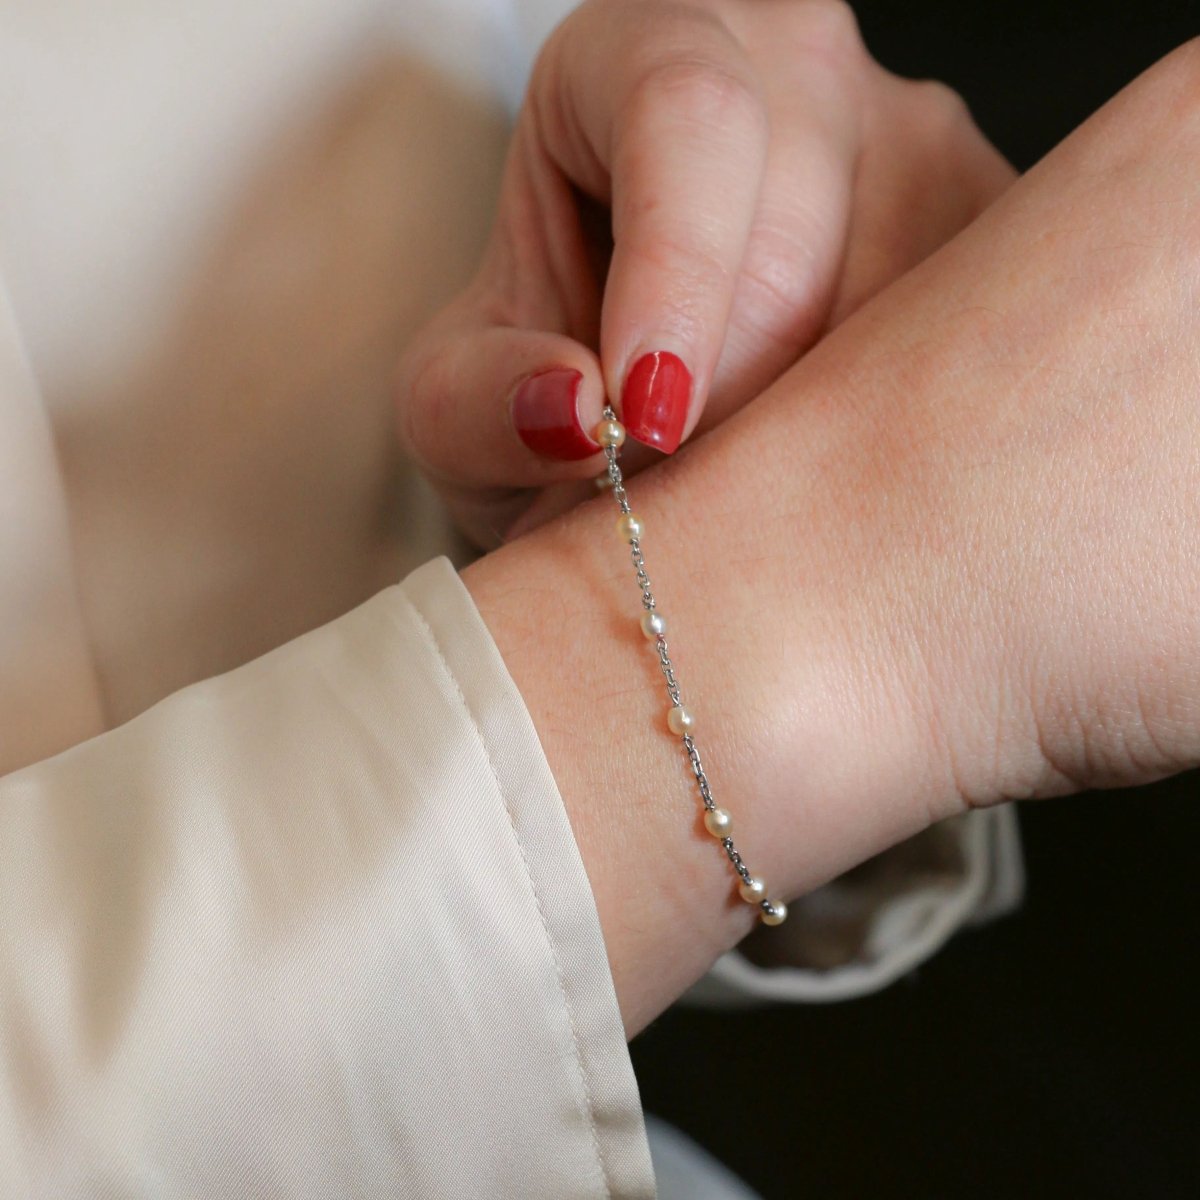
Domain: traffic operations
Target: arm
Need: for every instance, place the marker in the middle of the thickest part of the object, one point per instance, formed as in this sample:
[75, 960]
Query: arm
[313, 928]
[947, 560]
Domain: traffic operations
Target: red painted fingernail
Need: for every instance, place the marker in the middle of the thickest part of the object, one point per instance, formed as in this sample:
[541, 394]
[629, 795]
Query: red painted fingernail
[654, 402]
[546, 415]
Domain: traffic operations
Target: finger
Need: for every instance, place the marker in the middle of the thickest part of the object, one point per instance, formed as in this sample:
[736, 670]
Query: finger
[689, 140]
[818, 76]
[797, 246]
[482, 406]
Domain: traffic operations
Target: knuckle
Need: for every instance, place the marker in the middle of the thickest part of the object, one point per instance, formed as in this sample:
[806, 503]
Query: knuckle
[937, 118]
[938, 103]
[701, 90]
[695, 267]
[778, 270]
[831, 25]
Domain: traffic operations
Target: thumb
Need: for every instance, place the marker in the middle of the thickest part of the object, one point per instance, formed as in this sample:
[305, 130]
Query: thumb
[483, 406]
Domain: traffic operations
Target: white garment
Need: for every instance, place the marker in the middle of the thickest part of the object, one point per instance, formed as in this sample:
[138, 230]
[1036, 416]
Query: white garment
[317, 927]
[292, 931]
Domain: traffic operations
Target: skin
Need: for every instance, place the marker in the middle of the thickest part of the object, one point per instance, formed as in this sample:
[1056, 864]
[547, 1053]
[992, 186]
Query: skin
[721, 179]
[947, 560]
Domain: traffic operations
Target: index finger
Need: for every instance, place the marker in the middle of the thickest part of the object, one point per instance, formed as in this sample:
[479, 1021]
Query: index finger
[683, 133]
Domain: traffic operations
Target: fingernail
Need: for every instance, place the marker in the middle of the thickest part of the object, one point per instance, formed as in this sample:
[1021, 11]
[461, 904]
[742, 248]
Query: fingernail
[546, 415]
[654, 402]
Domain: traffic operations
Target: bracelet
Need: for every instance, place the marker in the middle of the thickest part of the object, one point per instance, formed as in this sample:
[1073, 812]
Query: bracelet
[610, 433]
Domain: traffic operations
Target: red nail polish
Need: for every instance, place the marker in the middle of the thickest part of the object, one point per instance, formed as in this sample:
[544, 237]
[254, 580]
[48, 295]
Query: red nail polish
[654, 402]
[546, 416]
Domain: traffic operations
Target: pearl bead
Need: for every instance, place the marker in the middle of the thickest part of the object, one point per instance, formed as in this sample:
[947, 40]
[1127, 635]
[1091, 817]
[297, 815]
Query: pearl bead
[653, 624]
[752, 890]
[718, 822]
[680, 720]
[603, 482]
[629, 527]
[777, 915]
[610, 433]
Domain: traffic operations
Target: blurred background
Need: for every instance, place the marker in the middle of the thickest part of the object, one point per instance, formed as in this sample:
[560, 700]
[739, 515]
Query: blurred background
[1055, 1053]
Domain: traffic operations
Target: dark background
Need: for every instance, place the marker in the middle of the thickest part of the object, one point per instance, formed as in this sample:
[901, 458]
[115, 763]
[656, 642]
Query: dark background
[1055, 1053]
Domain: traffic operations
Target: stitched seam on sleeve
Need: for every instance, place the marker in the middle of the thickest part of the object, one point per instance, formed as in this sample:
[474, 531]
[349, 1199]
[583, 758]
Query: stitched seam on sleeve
[589, 1105]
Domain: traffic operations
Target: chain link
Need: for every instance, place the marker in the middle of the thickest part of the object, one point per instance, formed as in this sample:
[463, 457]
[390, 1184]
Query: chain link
[769, 908]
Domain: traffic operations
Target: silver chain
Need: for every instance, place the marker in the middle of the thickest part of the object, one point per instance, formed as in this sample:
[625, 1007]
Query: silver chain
[772, 911]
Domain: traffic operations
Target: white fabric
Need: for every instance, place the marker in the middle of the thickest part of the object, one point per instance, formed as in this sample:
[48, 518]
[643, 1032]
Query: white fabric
[218, 225]
[317, 927]
[866, 930]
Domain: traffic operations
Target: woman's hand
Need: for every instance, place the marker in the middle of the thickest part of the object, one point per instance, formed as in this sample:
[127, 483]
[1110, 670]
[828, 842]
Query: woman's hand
[695, 192]
[949, 559]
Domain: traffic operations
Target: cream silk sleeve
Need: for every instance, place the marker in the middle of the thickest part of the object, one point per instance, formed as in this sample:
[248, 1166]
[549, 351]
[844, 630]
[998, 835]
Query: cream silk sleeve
[314, 928]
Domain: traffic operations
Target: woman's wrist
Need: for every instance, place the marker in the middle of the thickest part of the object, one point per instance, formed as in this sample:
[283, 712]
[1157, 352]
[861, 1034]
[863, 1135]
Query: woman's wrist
[946, 560]
[797, 719]
[562, 610]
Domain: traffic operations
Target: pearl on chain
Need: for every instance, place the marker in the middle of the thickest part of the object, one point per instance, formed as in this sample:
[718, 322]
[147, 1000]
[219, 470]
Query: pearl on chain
[611, 436]
[629, 527]
[654, 624]
[752, 890]
[680, 720]
[610, 433]
[718, 822]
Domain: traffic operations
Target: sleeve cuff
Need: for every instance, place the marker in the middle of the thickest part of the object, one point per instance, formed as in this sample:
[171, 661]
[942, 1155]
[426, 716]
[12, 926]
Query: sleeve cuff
[317, 927]
[872, 926]
[585, 1085]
